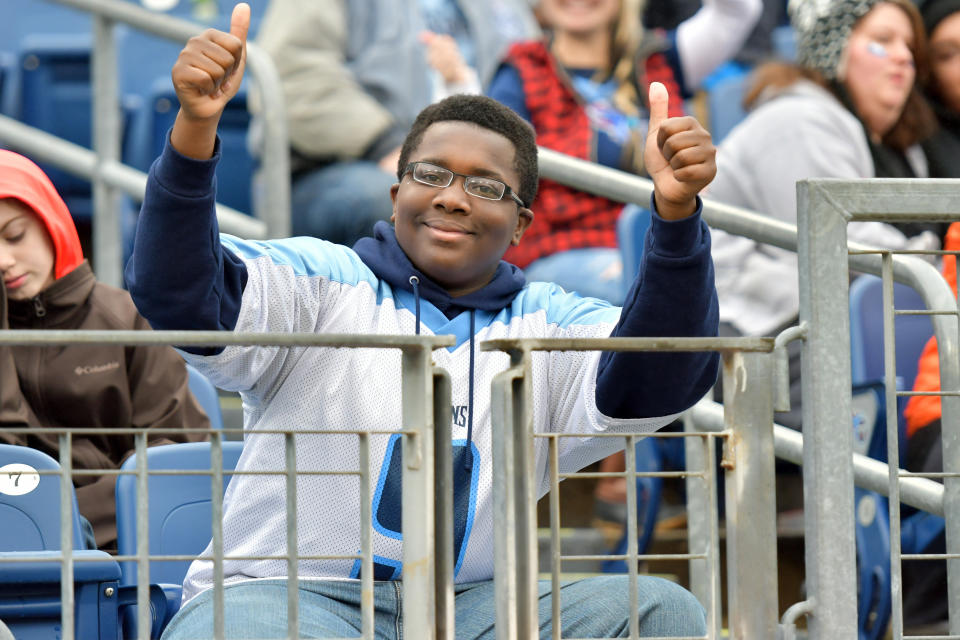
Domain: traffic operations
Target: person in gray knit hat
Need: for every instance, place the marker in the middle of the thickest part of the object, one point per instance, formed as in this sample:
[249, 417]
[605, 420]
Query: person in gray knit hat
[850, 108]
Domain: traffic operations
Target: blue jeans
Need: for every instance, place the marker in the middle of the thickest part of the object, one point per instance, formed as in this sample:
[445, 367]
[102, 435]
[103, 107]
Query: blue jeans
[595, 607]
[595, 272]
[341, 202]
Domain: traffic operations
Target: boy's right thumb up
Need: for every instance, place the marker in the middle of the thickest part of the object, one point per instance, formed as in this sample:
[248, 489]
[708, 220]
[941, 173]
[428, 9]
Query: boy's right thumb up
[659, 100]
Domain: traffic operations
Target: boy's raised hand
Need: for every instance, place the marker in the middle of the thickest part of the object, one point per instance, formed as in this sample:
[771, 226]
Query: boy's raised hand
[206, 75]
[679, 156]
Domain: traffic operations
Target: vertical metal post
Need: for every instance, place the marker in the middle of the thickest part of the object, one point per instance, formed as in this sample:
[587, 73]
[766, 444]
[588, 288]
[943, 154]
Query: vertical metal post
[143, 536]
[293, 580]
[630, 455]
[701, 511]
[526, 492]
[828, 436]
[751, 495]
[419, 610]
[714, 612]
[68, 604]
[556, 554]
[107, 235]
[216, 527]
[893, 440]
[443, 463]
[950, 436]
[366, 540]
[515, 562]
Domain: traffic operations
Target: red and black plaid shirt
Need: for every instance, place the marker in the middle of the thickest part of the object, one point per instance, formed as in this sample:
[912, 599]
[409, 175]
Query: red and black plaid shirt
[565, 218]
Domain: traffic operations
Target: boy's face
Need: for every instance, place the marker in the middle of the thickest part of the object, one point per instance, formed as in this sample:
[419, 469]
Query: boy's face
[26, 251]
[455, 238]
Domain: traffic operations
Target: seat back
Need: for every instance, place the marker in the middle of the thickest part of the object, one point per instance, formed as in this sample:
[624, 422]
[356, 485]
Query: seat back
[179, 506]
[30, 501]
[866, 330]
[206, 394]
[632, 228]
[871, 518]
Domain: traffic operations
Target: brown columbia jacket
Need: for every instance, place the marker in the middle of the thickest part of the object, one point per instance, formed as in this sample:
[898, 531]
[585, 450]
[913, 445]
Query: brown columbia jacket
[84, 386]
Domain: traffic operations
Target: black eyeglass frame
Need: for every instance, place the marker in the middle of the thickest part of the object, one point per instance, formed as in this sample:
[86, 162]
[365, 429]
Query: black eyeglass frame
[507, 191]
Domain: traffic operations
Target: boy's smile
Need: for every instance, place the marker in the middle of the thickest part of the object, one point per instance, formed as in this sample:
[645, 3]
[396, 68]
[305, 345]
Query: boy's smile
[455, 238]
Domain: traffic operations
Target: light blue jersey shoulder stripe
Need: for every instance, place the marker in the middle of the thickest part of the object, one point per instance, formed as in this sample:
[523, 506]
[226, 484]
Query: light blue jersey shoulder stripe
[310, 257]
[563, 309]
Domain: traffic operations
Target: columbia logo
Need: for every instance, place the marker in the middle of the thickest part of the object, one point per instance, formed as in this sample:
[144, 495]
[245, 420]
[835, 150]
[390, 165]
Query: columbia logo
[96, 368]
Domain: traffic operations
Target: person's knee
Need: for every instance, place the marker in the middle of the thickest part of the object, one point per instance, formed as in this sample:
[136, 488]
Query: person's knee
[667, 608]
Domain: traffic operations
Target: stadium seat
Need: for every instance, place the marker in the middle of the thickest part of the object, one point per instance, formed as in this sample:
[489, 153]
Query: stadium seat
[51, 91]
[632, 228]
[648, 504]
[866, 330]
[872, 518]
[30, 502]
[179, 507]
[725, 90]
[206, 394]
[30, 591]
[866, 337]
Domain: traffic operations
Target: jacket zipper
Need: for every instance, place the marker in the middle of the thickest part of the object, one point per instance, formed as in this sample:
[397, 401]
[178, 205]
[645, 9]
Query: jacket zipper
[38, 307]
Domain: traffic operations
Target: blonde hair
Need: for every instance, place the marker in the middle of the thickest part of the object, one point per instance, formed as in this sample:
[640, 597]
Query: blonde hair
[624, 44]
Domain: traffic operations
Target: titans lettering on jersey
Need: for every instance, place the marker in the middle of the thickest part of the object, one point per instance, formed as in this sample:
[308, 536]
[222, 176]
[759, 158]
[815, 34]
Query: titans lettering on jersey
[308, 285]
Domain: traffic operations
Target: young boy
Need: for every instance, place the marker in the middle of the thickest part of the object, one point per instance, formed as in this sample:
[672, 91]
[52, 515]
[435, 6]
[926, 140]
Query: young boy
[466, 173]
[48, 285]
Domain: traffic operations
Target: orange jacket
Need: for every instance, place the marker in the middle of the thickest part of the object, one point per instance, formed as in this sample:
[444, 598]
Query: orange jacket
[922, 410]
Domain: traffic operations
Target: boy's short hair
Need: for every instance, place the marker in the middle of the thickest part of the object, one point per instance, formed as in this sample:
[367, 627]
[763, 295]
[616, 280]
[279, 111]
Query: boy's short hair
[487, 113]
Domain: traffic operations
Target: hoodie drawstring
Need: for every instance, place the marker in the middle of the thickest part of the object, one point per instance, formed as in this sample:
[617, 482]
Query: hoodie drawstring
[415, 283]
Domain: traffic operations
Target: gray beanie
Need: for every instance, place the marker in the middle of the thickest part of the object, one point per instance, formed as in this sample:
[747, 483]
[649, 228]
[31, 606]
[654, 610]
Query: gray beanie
[823, 28]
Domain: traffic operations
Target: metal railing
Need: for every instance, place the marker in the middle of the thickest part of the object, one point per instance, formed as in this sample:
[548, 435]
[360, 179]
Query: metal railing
[427, 513]
[824, 208]
[102, 165]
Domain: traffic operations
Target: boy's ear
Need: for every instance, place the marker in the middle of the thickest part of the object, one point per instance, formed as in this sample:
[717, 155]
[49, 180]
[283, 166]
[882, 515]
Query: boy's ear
[524, 219]
[393, 198]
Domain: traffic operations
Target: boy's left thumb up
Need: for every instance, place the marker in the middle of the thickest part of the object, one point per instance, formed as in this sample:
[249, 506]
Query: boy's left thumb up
[240, 21]
[658, 99]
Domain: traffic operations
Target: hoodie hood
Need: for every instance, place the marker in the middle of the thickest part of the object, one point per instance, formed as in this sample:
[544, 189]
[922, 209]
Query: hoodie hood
[383, 254]
[23, 180]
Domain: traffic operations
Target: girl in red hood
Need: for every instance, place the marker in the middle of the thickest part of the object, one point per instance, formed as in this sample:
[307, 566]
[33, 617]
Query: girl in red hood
[47, 284]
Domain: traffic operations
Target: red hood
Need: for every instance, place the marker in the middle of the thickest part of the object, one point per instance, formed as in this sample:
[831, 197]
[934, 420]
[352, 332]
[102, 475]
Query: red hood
[22, 179]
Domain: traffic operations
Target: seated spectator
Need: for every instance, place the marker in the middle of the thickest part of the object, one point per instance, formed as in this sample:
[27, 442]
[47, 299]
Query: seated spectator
[467, 172]
[354, 75]
[48, 285]
[942, 19]
[582, 89]
[850, 108]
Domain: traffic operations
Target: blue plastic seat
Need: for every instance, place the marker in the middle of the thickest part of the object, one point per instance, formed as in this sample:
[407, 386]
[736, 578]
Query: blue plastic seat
[30, 591]
[632, 228]
[206, 394]
[725, 89]
[866, 330]
[179, 507]
[30, 502]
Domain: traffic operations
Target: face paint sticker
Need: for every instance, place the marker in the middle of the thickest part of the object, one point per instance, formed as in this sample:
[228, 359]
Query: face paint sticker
[876, 49]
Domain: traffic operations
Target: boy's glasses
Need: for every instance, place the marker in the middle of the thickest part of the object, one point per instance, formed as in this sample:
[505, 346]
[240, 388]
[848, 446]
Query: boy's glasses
[436, 176]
